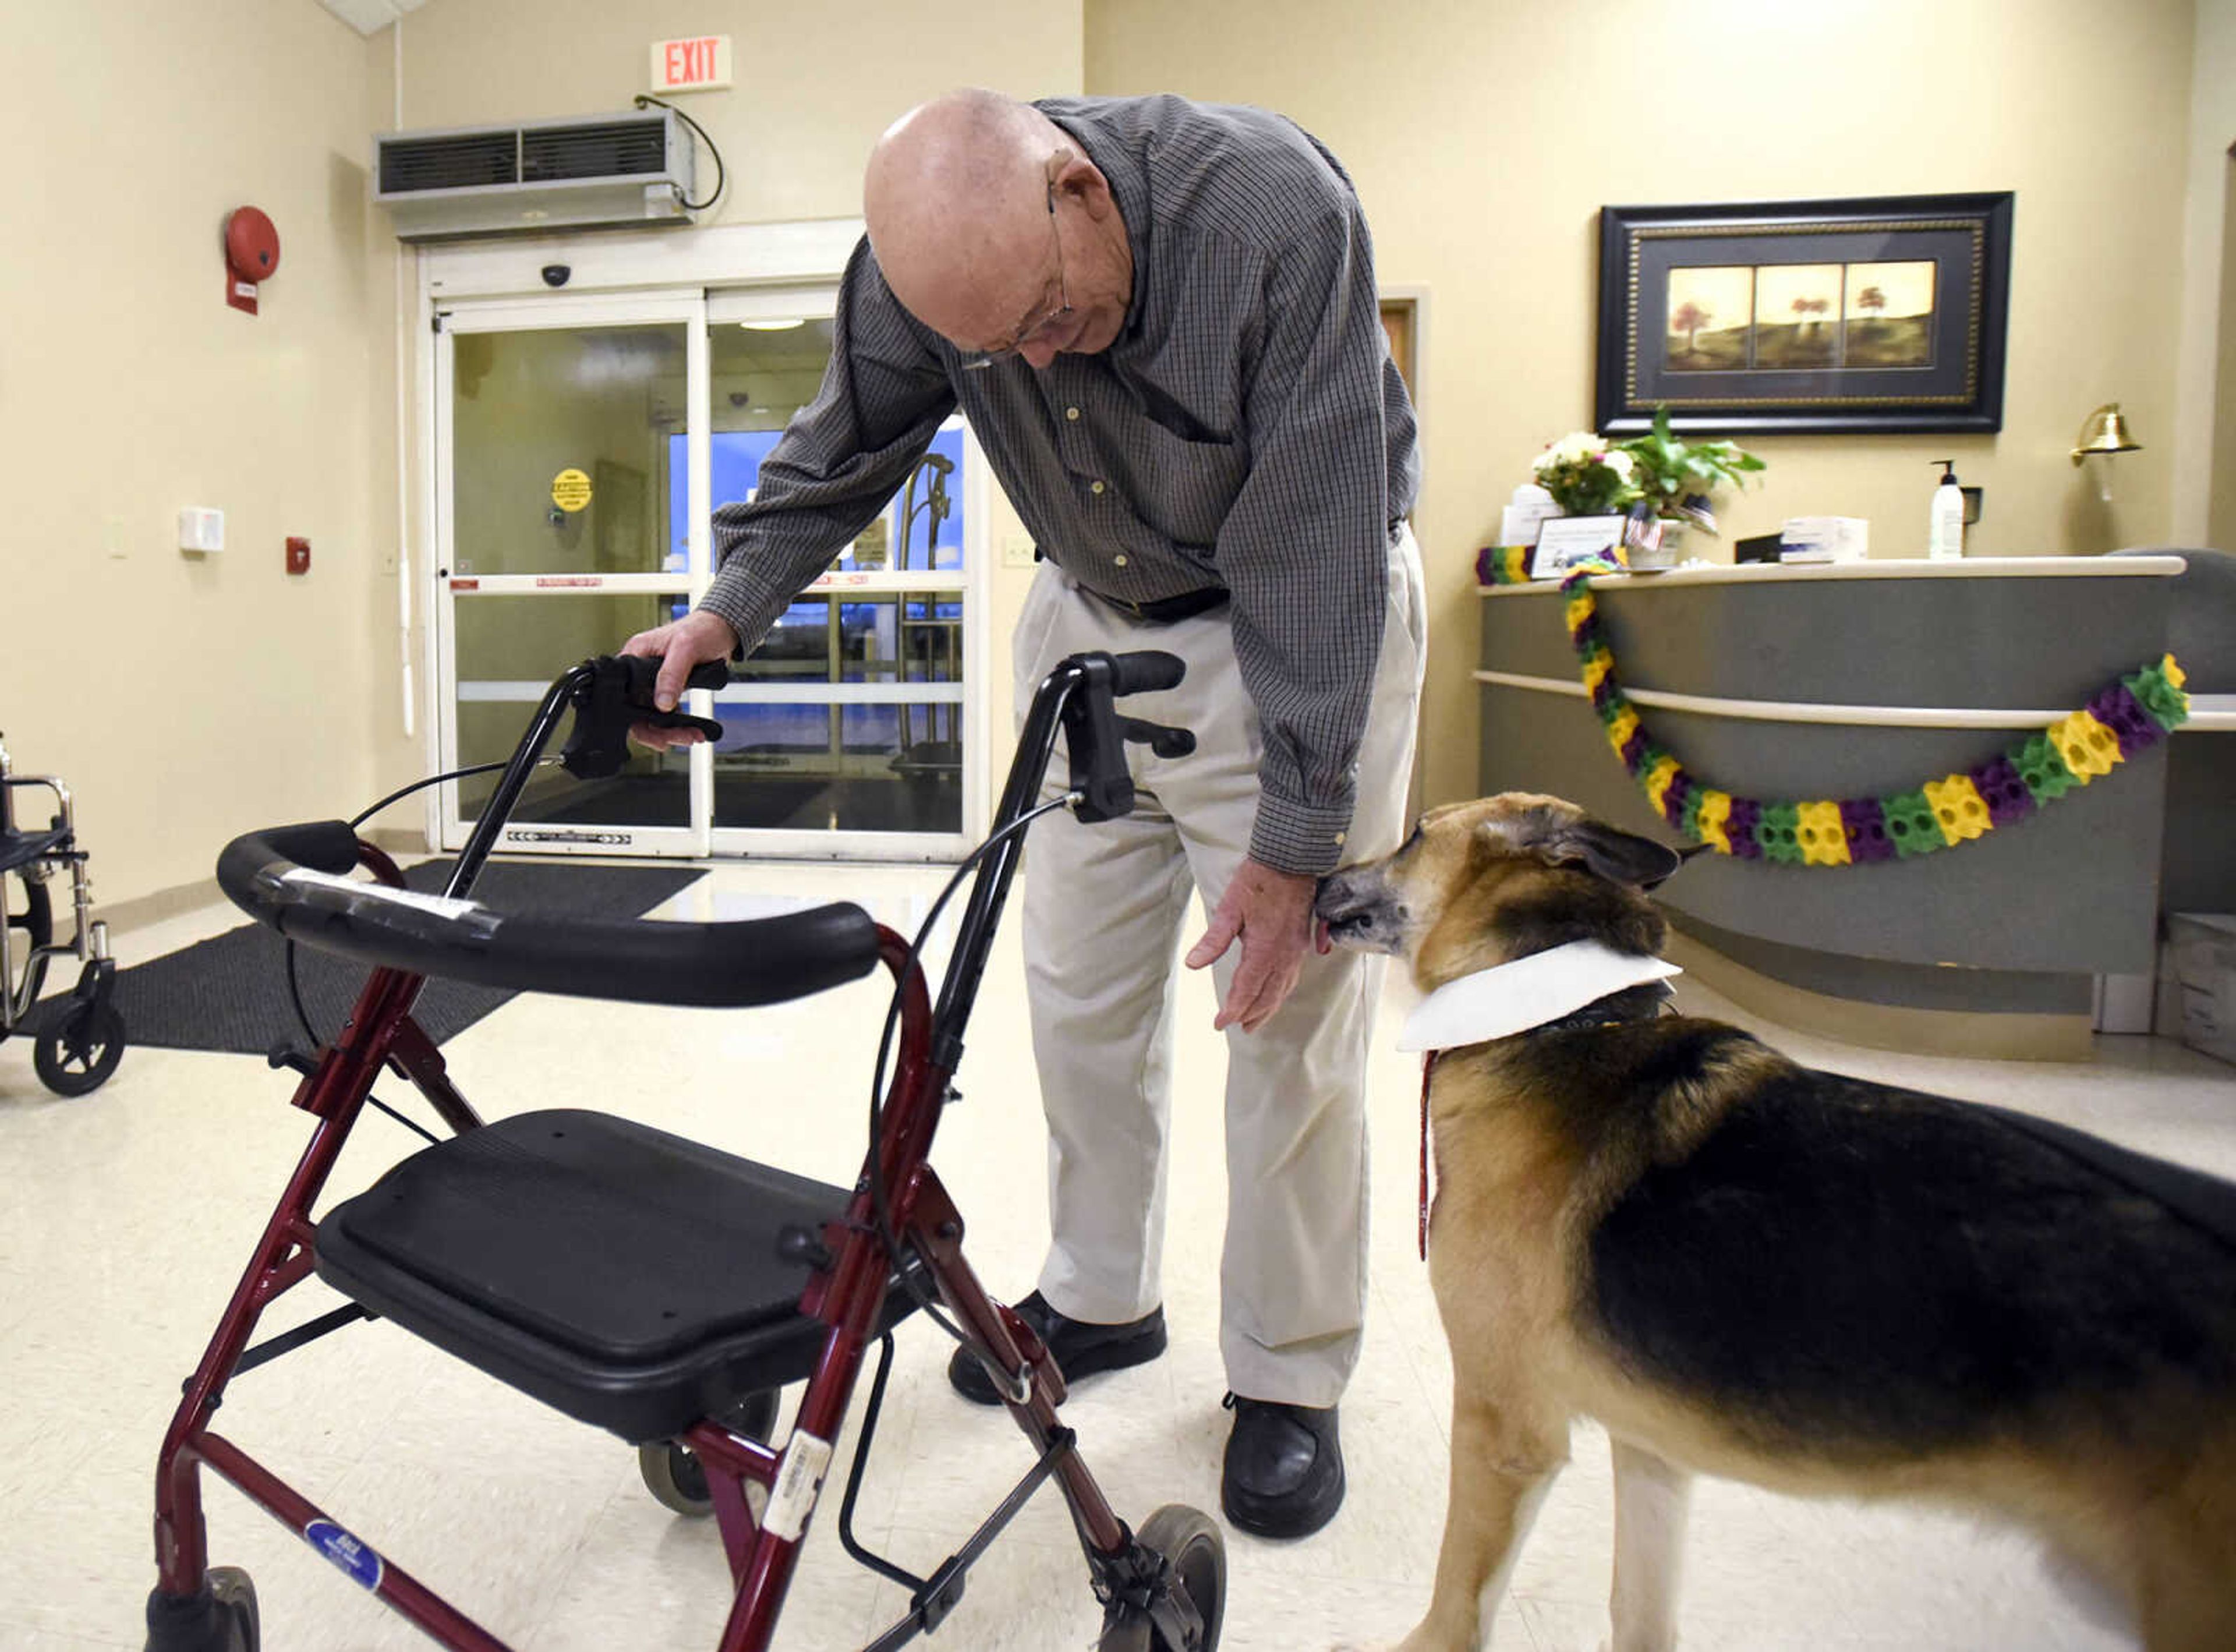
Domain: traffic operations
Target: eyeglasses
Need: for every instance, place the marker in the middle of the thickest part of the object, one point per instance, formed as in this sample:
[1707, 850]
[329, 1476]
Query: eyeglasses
[1036, 325]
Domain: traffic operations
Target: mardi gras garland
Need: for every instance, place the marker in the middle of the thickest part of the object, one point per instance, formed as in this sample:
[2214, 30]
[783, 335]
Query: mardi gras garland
[2123, 719]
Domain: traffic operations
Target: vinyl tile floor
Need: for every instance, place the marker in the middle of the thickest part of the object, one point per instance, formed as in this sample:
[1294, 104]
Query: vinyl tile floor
[128, 1215]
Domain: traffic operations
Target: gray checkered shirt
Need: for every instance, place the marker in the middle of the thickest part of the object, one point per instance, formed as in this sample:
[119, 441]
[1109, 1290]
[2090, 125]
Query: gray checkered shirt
[1247, 430]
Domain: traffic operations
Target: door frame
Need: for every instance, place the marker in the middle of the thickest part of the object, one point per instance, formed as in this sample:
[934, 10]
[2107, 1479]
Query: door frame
[558, 313]
[606, 277]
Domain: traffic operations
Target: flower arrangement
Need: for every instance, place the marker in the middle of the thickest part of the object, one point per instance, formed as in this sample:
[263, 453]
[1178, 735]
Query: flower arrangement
[1677, 477]
[1586, 475]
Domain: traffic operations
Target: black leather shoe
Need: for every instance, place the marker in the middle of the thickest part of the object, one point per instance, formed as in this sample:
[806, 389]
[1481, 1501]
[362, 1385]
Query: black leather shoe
[1284, 1473]
[1080, 1349]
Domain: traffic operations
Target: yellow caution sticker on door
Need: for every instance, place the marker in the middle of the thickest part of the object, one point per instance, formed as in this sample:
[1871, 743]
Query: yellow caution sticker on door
[570, 489]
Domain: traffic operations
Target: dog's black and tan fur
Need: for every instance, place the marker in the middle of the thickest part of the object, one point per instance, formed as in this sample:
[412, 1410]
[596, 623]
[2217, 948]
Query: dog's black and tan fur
[1743, 1268]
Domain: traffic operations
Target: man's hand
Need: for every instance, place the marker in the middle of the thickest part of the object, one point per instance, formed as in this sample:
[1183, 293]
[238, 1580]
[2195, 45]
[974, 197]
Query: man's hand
[697, 637]
[1271, 912]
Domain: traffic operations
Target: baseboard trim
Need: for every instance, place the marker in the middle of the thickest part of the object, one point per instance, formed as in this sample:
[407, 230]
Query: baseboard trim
[122, 916]
[2015, 1036]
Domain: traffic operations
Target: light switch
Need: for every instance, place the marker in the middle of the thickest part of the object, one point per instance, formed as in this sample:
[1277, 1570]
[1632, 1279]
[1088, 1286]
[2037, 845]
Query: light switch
[201, 529]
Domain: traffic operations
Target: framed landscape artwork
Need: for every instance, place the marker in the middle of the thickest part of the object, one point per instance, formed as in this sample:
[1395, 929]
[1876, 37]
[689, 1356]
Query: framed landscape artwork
[1883, 314]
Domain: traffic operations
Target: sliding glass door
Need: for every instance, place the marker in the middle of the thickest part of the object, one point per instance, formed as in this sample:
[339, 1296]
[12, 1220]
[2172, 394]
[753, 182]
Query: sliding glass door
[581, 443]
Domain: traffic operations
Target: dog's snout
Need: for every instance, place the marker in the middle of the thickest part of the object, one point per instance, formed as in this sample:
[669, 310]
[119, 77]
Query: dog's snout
[1355, 905]
[1334, 896]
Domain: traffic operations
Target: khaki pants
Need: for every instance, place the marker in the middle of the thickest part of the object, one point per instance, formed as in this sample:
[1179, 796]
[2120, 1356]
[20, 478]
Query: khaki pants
[1104, 906]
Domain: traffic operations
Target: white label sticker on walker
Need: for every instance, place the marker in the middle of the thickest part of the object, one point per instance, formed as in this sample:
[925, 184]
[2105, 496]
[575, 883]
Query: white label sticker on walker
[347, 1552]
[441, 905]
[798, 1478]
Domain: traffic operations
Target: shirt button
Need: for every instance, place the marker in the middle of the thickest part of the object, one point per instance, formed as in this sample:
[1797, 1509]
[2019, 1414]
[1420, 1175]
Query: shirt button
[1071, 413]
[1118, 561]
[1094, 487]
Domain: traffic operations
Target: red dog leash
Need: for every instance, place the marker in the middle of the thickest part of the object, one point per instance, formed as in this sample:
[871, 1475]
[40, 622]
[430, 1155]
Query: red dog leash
[1428, 1066]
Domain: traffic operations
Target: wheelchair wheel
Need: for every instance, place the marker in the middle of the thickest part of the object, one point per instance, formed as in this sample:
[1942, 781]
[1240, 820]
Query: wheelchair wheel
[1190, 1542]
[79, 1047]
[674, 1476]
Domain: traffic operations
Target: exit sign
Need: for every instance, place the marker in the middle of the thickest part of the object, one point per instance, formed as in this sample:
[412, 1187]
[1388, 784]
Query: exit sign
[701, 64]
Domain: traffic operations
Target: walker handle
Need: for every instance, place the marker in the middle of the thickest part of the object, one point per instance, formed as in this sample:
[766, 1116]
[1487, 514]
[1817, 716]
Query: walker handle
[618, 693]
[290, 877]
[1145, 671]
[644, 670]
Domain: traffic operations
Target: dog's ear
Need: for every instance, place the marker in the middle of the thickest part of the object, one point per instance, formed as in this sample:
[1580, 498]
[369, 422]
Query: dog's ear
[1619, 857]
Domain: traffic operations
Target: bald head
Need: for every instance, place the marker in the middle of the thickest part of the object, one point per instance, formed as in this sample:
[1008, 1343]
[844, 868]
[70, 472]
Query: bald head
[956, 200]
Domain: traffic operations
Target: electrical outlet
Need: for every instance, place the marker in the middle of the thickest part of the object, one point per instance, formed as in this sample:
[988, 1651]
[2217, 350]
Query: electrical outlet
[1017, 550]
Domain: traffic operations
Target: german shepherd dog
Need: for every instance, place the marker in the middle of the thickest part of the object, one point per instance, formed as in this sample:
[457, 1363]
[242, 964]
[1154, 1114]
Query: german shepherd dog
[1744, 1268]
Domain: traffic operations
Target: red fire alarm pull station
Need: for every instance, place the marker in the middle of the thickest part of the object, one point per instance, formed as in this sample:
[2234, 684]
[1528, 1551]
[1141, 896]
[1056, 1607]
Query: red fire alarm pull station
[251, 251]
[299, 555]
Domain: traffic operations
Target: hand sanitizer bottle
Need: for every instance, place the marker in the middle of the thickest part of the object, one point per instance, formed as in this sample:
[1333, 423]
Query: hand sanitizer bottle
[1945, 537]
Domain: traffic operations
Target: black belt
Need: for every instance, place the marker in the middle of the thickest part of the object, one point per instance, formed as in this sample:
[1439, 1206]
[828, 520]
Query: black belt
[1166, 610]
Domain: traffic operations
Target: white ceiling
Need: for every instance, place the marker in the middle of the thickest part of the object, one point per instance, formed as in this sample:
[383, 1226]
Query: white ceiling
[369, 16]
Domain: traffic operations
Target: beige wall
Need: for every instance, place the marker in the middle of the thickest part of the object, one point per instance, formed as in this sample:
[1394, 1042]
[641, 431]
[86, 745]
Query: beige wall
[1484, 134]
[184, 699]
[2204, 377]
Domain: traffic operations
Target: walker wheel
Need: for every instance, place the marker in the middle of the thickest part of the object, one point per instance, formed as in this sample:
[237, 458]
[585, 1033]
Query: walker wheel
[236, 1596]
[79, 1047]
[220, 1617]
[674, 1476]
[1191, 1544]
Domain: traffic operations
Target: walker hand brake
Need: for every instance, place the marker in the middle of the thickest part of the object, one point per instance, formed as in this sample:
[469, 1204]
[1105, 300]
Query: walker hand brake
[1158, 737]
[617, 694]
[1096, 734]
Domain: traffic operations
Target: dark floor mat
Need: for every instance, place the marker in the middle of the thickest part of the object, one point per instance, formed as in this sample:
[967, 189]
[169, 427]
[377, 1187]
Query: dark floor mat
[230, 993]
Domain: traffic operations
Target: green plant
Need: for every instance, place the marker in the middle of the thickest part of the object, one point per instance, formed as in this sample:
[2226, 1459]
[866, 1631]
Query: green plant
[1678, 476]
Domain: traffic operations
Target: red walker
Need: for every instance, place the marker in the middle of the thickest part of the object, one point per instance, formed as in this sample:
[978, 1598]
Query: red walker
[635, 1280]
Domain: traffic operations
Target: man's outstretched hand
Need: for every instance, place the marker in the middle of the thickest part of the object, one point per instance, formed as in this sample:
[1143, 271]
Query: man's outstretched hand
[697, 637]
[1270, 912]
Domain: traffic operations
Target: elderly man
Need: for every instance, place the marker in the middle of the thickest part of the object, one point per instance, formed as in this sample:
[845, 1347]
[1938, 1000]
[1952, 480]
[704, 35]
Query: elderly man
[1159, 318]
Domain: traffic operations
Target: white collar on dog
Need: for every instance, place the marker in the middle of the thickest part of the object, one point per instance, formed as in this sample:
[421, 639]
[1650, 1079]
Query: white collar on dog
[1498, 1003]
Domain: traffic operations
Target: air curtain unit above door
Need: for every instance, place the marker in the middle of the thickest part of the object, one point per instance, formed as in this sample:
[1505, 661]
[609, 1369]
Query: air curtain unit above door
[600, 172]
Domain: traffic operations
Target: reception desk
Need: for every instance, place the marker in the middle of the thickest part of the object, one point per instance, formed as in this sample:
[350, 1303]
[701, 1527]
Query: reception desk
[1863, 680]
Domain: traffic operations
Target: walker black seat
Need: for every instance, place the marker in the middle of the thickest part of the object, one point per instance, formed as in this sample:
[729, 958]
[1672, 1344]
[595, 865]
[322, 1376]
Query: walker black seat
[627, 1277]
[21, 848]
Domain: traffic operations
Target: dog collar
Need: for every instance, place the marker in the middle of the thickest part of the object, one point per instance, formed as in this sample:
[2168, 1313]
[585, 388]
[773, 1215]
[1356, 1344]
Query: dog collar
[1529, 992]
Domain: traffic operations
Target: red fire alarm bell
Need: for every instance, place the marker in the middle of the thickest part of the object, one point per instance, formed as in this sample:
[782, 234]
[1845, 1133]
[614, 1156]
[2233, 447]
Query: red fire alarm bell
[251, 251]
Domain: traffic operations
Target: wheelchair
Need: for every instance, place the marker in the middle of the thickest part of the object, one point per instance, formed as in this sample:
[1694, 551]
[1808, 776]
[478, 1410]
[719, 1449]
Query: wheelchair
[638, 1281]
[77, 1041]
